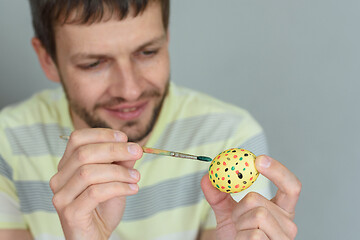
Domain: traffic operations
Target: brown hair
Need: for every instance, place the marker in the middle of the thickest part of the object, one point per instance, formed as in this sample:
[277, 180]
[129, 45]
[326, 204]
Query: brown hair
[47, 13]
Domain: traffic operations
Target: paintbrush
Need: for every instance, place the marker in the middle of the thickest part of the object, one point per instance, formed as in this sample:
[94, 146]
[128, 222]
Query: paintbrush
[166, 153]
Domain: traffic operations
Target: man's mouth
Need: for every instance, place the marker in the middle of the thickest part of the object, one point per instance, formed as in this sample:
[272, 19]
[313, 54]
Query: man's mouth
[127, 112]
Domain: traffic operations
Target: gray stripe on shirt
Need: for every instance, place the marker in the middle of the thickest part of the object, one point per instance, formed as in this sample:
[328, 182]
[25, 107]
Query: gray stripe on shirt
[5, 169]
[34, 196]
[256, 144]
[37, 139]
[37, 196]
[164, 196]
[193, 131]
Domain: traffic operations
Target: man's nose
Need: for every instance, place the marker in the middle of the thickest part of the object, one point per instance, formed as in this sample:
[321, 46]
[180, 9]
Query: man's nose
[126, 81]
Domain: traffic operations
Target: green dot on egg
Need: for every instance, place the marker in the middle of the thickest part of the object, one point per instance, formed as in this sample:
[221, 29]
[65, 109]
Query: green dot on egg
[233, 168]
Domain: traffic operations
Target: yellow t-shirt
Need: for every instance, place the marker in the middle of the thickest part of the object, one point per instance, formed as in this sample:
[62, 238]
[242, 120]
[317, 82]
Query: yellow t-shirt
[169, 205]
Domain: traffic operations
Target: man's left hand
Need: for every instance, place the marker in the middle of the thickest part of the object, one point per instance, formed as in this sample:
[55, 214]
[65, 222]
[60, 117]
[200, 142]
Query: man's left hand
[256, 217]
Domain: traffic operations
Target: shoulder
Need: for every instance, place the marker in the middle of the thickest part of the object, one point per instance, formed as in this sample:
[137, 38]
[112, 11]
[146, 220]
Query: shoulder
[41, 107]
[201, 120]
[32, 126]
[191, 103]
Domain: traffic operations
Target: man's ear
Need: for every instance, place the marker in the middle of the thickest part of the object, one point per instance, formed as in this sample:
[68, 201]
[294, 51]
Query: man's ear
[47, 64]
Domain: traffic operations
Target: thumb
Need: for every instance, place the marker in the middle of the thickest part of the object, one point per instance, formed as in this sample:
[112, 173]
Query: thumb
[221, 203]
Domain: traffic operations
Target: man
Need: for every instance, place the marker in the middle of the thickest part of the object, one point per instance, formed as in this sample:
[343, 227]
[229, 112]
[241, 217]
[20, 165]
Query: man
[112, 60]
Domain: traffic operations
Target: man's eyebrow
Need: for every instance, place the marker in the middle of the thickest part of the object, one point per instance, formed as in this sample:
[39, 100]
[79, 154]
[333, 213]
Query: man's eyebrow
[84, 55]
[155, 41]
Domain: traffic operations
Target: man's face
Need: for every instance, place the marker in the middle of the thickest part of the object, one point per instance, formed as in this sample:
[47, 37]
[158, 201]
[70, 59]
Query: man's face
[115, 73]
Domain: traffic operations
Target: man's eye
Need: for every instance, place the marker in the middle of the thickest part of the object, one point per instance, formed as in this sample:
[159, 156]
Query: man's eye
[91, 65]
[149, 53]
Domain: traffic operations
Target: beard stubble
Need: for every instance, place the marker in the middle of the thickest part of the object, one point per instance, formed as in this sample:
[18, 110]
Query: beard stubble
[94, 121]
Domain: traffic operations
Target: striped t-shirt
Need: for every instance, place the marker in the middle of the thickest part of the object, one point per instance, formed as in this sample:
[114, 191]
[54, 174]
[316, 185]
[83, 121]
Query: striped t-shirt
[169, 205]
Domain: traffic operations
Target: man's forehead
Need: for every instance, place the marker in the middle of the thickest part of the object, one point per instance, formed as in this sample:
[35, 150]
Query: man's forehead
[131, 32]
[84, 54]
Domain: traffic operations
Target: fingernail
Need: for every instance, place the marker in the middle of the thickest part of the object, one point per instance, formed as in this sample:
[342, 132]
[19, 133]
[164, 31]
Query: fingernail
[134, 174]
[119, 136]
[133, 149]
[265, 162]
[133, 186]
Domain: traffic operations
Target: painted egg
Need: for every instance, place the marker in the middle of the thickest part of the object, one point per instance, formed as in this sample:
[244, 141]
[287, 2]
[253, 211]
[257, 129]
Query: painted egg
[233, 170]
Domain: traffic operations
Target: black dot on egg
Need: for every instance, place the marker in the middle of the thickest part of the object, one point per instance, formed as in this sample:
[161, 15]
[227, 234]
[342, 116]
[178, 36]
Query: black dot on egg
[218, 178]
[240, 175]
[229, 181]
[213, 181]
[246, 154]
[234, 151]
[226, 169]
[218, 163]
[228, 158]
[236, 163]
[228, 190]
[251, 173]
[244, 182]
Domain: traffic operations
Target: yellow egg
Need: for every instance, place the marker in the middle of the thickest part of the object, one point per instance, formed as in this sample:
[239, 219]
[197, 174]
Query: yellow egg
[233, 170]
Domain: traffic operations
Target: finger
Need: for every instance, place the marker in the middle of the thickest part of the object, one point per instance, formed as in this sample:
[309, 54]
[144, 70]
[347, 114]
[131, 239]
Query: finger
[87, 201]
[289, 186]
[251, 234]
[221, 203]
[261, 218]
[90, 135]
[92, 174]
[254, 200]
[127, 153]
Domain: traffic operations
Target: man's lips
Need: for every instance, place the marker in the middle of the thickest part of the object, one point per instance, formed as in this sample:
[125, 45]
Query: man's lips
[127, 111]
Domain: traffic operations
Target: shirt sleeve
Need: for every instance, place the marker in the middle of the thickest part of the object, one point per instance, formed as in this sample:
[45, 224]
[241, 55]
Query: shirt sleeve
[10, 214]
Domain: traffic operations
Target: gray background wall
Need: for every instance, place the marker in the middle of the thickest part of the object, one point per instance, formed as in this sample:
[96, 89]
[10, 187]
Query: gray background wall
[293, 64]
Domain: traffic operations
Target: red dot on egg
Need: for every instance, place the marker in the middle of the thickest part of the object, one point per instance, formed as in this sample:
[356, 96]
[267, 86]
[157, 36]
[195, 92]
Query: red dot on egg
[226, 154]
[218, 169]
[224, 163]
[251, 178]
[222, 187]
[235, 156]
[242, 150]
[212, 172]
[237, 186]
[246, 164]
[224, 178]
[237, 171]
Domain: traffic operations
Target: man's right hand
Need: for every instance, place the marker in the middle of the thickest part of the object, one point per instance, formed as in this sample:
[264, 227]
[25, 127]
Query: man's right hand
[94, 177]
